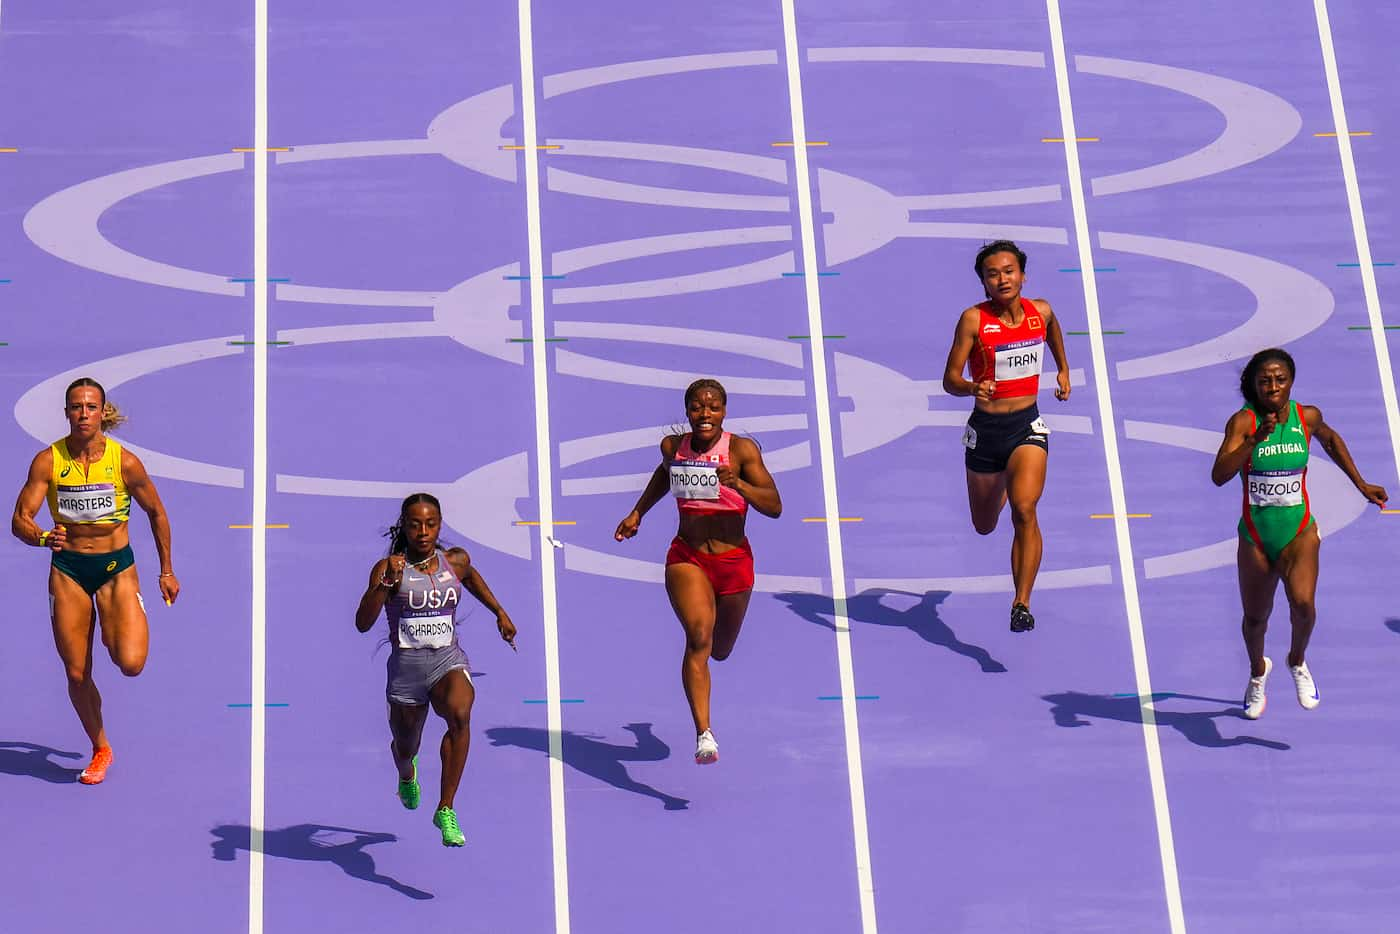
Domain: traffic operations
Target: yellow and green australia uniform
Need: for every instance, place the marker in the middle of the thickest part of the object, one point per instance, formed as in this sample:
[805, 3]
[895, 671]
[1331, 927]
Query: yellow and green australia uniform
[96, 495]
[1276, 507]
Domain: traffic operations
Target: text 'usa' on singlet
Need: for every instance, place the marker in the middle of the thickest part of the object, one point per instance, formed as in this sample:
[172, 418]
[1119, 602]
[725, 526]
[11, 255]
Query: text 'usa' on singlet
[423, 614]
[1276, 506]
[93, 496]
[695, 480]
[1010, 355]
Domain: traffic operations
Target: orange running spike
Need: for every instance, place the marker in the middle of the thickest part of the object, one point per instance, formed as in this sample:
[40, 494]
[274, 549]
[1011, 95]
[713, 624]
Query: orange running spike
[97, 768]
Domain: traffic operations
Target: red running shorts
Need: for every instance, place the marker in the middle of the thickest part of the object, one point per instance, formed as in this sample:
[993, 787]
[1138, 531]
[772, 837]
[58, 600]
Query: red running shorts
[728, 572]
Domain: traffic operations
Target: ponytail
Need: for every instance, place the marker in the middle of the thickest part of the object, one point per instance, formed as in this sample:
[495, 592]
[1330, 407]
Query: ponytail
[111, 415]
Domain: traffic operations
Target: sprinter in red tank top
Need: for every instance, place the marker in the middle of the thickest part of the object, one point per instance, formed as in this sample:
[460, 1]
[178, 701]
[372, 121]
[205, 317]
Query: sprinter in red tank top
[714, 477]
[1002, 342]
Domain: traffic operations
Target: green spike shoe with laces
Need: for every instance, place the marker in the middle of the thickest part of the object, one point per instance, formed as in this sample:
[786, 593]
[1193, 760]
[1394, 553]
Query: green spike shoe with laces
[446, 820]
[409, 792]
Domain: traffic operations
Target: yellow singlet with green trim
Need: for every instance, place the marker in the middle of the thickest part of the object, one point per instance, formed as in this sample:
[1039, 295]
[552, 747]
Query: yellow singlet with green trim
[95, 496]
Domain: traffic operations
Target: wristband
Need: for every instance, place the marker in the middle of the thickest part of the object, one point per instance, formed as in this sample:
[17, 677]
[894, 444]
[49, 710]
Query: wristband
[44, 539]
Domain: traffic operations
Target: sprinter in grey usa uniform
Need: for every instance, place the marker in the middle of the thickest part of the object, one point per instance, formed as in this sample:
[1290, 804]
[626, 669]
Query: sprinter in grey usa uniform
[420, 588]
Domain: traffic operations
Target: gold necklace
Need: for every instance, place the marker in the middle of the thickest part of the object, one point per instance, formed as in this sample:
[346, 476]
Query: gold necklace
[420, 565]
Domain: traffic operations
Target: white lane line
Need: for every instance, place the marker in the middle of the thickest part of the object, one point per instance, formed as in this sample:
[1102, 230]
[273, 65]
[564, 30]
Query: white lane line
[1126, 569]
[864, 874]
[257, 791]
[544, 454]
[1358, 230]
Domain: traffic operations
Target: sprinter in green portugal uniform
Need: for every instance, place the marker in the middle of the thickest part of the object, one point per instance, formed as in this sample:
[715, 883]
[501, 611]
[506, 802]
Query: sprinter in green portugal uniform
[1266, 444]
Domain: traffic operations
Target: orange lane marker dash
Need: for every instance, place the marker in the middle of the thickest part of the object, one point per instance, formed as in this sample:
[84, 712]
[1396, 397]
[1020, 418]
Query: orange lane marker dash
[1351, 133]
[1131, 515]
[556, 522]
[1077, 139]
[842, 519]
[269, 149]
[268, 526]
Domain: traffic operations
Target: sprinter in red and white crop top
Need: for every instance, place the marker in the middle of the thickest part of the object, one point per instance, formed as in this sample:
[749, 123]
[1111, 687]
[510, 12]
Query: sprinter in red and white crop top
[1002, 343]
[714, 477]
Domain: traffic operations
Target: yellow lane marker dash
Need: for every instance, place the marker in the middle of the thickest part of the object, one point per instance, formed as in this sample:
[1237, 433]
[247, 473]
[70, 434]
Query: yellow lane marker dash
[1077, 139]
[556, 522]
[810, 142]
[1390, 512]
[269, 149]
[552, 146]
[9, 149]
[1131, 515]
[268, 526]
[842, 519]
[1352, 133]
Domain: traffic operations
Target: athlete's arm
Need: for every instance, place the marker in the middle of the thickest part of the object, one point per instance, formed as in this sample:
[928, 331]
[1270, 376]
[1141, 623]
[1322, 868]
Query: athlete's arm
[1238, 445]
[31, 500]
[749, 476]
[139, 485]
[964, 337]
[657, 488]
[476, 585]
[376, 595]
[1056, 339]
[1336, 449]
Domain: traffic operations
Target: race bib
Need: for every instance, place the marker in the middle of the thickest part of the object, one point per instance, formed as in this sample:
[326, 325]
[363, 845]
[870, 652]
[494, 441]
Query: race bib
[1020, 360]
[1275, 487]
[425, 632]
[90, 502]
[692, 480]
[1038, 427]
[970, 438]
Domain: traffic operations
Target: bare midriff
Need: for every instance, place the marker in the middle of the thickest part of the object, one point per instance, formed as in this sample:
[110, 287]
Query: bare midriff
[713, 533]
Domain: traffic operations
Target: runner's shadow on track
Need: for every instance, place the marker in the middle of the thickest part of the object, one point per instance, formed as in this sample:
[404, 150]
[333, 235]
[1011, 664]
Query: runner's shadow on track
[596, 759]
[315, 843]
[922, 619]
[1071, 707]
[31, 760]
[1393, 625]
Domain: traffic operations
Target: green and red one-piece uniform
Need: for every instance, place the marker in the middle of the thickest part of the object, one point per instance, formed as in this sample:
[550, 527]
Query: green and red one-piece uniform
[1276, 507]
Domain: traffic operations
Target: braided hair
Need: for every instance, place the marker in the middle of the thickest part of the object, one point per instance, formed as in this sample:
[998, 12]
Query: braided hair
[398, 539]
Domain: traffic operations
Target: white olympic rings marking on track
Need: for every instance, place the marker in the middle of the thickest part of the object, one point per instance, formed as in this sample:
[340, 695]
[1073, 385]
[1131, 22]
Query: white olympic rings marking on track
[65, 224]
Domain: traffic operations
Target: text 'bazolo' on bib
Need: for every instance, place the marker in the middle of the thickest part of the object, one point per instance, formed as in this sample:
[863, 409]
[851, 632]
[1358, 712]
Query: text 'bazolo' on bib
[1275, 487]
[694, 480]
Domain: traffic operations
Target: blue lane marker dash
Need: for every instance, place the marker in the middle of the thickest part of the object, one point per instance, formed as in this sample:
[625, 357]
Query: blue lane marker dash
[527, 278]
[799, 275]
[858, 697]
[1347, 265]
[1096, 269]
[249, 279]
[562, 700]
[265, 705]
[5, 281]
